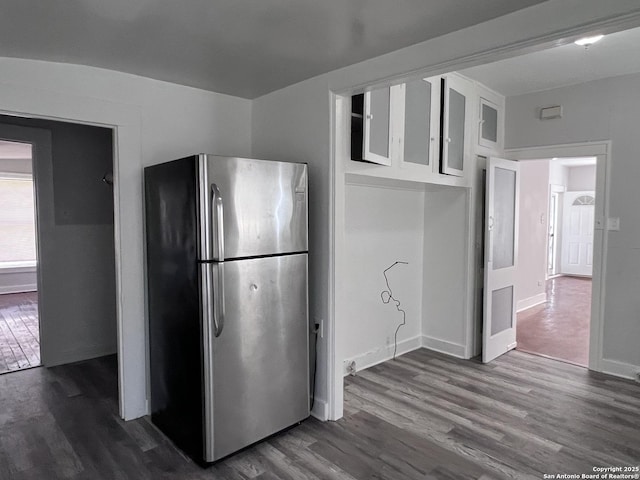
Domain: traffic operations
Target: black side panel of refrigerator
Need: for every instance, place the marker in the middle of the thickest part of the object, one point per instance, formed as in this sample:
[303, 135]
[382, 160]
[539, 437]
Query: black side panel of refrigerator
[173, 301]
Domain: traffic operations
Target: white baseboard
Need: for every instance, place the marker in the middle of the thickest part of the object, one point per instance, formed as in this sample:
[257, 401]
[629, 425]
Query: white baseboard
[78, 354]
[531, 301]
[4, 289]
[320, 409]
[442, 346]
[620, 369]
[374, 357]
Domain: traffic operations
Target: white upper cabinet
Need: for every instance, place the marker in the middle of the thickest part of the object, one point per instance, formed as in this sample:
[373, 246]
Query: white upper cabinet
[421, 138]
[457, 107]
[490, 120]
[425, 130]
[371, 126]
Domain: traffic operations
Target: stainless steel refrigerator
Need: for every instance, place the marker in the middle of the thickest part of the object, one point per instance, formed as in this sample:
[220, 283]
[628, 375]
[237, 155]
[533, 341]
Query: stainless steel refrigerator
[227, 298]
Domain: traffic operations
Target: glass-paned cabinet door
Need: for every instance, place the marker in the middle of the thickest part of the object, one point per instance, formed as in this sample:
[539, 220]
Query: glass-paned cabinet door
[371, 126]
[421, 121]
[489, 124]
[453, 135]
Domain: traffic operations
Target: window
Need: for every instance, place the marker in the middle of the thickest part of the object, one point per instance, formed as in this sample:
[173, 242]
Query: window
[584, 200]
[17, 220]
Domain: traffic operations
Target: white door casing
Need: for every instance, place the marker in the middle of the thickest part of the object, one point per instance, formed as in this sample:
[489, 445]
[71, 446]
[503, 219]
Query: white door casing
[501, 257]
[577, 233]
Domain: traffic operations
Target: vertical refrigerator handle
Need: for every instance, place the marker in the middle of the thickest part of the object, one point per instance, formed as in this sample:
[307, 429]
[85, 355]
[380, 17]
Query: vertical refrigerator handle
[218, 306]
[218, 223]
[213, 322]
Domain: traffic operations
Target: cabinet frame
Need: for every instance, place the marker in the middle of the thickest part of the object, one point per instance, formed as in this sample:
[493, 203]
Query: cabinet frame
[486, 96]
[485, 142]
[434, 127]
[465, 88]
[367, 154]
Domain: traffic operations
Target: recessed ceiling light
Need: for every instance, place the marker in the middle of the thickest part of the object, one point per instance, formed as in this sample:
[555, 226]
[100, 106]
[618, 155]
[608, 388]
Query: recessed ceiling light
[586, 41]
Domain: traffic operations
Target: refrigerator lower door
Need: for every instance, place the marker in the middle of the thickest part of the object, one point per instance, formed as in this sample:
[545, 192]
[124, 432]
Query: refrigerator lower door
[260, 361]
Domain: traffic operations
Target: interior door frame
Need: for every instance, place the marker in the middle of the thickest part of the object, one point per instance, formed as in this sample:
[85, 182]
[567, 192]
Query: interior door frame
[554, 190]
[42, 178]
[602, 151]
[125, 120]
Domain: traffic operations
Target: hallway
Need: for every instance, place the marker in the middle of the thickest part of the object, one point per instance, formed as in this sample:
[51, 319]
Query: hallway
[559, 328]
[19, 331]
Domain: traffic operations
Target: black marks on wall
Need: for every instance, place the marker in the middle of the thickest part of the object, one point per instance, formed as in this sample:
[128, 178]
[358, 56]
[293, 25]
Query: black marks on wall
[387, 297]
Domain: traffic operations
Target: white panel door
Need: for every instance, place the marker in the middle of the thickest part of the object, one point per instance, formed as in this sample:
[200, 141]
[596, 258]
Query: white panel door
[500, 258]
[577, 233]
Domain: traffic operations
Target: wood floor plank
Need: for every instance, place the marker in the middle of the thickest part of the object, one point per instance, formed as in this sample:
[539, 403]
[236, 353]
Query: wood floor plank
[422, 416]
[19, 332]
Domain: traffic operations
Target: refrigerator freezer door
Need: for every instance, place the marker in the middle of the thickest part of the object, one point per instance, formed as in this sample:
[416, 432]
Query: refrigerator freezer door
[262, 206]
[260, 365]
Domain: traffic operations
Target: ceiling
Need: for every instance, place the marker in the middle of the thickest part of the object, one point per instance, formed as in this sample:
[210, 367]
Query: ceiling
[15, 150]
[616, 54]
[244, 48]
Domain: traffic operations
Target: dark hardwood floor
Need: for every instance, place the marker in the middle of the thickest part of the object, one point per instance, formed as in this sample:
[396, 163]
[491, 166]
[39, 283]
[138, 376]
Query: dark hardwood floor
[422, 416]
[19, 331]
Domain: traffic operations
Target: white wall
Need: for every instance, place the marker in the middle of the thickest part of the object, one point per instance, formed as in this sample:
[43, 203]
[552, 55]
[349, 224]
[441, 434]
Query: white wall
[175, 120]
[295, 123]
[558, 174]
[384, 225]
[445, 269]
[606, 109]
[156, 121]
[582, 179]
[534, 225]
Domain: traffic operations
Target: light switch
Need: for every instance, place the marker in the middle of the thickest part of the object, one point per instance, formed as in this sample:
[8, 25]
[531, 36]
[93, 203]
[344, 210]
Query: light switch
[613, 224]
[549, 113]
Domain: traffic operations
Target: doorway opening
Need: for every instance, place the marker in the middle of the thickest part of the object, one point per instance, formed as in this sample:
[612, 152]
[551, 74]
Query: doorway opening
[63, 225]
[556, 258]
[19, 322]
